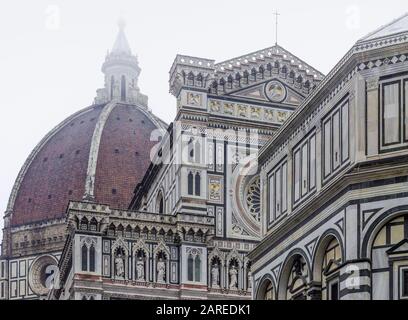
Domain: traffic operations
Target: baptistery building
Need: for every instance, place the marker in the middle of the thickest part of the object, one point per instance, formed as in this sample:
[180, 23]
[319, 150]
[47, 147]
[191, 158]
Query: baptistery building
[334, 183]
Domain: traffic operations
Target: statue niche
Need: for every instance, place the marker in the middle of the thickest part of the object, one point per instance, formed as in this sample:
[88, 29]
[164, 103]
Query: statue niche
[140, 265]
[120, 263]
[233, 275]
[215, 273]
[161, 267]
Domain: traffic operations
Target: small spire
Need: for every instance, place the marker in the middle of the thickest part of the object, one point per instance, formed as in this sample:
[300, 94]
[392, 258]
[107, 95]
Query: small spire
[121, 44]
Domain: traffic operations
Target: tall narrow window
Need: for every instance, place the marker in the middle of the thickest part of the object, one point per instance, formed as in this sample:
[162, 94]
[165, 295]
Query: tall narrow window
[271, 198]
[297, 175]
[190, 268]
[190, 149]
[123, 89]
[197, 269]
[344, 132]
[112, 87]
[391, 121]
[336, 140]
[84, 256]
[284, 187]
[160, 203]
[312, 169]
[327, 148]
[92, 258]
[305, 165]
[190, 183]
[278, 193]
[277, 188]
[197, 184]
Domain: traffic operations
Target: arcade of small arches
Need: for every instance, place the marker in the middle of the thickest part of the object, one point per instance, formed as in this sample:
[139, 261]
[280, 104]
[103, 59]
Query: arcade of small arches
[300, 279]
[237, 80]
[148, 231]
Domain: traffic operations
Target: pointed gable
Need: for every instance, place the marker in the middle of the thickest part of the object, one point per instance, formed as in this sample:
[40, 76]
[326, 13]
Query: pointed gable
[271, 75]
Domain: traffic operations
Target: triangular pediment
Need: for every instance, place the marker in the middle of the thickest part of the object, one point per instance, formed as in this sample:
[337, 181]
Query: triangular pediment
[251, 76]
[400, 247]
[274, 90]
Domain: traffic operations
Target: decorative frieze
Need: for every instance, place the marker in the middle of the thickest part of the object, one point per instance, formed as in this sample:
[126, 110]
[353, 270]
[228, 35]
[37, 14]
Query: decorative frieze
[247, 111]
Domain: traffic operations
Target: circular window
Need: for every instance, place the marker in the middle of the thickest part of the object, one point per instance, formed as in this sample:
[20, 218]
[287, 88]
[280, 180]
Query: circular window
[275, 91]
[43, 272]
[253, 198]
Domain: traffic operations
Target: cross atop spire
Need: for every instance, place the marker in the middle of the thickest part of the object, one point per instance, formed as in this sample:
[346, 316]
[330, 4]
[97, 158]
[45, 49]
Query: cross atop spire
[276, 14]
[121, 44]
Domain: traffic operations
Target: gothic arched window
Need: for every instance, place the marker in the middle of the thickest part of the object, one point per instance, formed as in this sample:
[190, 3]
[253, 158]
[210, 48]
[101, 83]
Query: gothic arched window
[92, 258]
[197, 184]
[197, 268]
[190, 183]
[84, 256]
[160, 203]
[123, 89]
[112, 87]
[190, 268]
[194, 266]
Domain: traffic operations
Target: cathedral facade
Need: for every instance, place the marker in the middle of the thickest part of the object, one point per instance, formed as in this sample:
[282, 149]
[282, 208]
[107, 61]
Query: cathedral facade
[272, 182]
[334, 183]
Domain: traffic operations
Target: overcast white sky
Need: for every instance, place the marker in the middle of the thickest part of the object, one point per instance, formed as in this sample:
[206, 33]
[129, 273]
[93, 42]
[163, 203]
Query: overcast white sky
[51, 52]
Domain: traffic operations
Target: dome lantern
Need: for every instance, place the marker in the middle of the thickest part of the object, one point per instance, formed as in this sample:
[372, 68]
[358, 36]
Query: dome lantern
[121, 70]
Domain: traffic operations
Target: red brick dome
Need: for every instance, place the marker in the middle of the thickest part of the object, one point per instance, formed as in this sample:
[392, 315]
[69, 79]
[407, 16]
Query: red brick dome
[100, 153]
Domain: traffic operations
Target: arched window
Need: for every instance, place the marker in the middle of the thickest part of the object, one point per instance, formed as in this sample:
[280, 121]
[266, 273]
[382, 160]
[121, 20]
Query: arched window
[84, 255]
[331, 261]
[197, 269]
[160, 203]
[389, 249]
[123, 89]
[190, 150]
[190, 183]
[190, 79]
[392, 233]
[269, 293]
[298, 278]
[92, 258]
[190, 268]
[197, 184]
[112, 87]
[194, 266]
